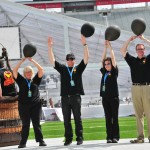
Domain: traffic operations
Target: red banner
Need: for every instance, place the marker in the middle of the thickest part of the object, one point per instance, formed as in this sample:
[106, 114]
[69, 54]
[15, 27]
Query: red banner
[111, 2]
[46, 5]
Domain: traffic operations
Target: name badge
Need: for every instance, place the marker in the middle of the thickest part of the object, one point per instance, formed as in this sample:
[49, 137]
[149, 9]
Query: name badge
[72, 83]
[103, 88]
[29, 93]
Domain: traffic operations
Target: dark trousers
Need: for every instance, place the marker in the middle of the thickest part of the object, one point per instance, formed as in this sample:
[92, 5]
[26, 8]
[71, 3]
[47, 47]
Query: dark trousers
[72, 103]
[31, 112]
[111, 106]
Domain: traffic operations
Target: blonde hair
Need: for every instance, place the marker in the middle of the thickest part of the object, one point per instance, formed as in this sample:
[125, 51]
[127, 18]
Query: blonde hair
[28, 69]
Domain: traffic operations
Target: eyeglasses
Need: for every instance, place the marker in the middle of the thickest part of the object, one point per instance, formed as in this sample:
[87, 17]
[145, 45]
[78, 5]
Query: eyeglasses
[70, 59]
[107, 64]
[140, 49]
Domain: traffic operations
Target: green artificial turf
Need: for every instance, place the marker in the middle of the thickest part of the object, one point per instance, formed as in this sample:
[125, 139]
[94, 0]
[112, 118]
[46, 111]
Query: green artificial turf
[93, 129]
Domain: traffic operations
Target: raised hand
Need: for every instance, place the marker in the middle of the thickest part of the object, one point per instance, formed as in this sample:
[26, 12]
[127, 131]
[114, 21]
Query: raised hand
[132, 38]
[30, 59]
[107, 44]
[141, 37]
[50, 41]
[83, 40]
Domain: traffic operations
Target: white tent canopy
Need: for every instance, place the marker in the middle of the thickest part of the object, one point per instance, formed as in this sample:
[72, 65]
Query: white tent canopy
[36, 25]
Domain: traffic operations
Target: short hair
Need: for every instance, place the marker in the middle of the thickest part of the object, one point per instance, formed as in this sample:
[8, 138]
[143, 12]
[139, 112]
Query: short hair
[28, 69]
[70, 56]
[107, 59]
[138, 45]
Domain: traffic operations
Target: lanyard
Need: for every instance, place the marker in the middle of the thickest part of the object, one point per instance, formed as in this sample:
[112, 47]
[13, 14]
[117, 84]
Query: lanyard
[70, 72]
[105, 76]
[29, 83]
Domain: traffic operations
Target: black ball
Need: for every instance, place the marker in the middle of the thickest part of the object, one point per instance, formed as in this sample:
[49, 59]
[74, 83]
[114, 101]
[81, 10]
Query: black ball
[87, 30]
[112, 33]
[29, 50]
[138, 26]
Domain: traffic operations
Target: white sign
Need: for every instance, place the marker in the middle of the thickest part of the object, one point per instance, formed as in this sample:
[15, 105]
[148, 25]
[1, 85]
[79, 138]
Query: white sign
[9, 38]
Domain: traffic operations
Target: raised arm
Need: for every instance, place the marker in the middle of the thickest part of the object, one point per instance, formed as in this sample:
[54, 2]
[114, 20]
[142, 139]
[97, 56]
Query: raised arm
[126, 44]
[15, 70]
[111, 54]
[50, 51]
[104, 53]
[86, 51]
[8, 64]
[144, 39]
[38, 66]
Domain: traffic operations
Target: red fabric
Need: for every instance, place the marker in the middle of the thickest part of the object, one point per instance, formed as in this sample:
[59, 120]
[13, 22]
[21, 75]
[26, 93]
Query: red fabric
[46, 5]
[111, 2]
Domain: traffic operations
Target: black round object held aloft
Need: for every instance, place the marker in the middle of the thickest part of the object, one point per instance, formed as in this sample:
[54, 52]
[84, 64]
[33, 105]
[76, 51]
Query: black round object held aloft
[138, 26]
[112, 33]
[29, 50]
[87, 30]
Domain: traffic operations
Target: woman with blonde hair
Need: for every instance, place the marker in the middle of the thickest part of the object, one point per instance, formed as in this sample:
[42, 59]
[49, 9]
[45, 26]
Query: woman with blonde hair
[29, 106]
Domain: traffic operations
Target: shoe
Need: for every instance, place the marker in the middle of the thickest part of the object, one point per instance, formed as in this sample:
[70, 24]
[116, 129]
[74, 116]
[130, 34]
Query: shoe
[149, 140]
[79, 142]
[109, 141]
[67, 143]
[114, 141]
[42, 143]
[22, 146]
[137, 141]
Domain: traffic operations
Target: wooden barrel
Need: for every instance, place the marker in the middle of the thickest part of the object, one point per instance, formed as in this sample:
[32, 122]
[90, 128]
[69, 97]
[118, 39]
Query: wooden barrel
[10, 123]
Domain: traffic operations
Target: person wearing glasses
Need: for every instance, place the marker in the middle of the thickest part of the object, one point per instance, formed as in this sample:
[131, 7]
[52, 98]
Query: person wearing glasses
[140, 75]
[71, 89]
[30, 105]
[109, 93]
